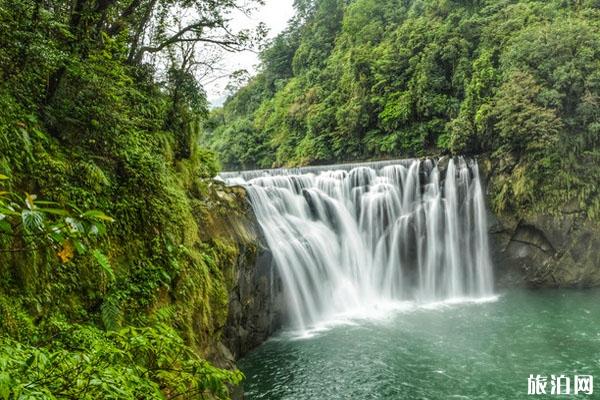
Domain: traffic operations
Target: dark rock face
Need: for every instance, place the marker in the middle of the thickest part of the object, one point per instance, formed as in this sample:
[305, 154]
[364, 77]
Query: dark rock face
[543, 250]
[256, 305]
[256, 302]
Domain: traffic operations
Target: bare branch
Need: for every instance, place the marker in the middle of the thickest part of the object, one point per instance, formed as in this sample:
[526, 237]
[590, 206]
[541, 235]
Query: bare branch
[230, 43]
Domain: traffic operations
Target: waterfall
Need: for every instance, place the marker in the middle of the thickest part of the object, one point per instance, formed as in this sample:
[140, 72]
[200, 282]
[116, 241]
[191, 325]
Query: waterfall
[347, 236]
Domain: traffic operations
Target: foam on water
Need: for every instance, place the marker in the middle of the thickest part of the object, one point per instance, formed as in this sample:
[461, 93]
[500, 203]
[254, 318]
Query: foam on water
[382, 312]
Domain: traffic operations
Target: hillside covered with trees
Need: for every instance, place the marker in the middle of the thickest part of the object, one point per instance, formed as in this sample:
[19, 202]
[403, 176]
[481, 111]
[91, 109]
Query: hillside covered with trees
[118, 249]
[114, 264]
[517, 81]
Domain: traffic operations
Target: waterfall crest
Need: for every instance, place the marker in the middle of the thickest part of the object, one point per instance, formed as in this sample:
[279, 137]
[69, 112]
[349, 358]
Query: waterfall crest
[347, 236]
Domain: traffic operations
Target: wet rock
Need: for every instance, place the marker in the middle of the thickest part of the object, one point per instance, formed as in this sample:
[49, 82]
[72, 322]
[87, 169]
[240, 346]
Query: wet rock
[443, 165]
[547, 252]
[543, 250]
[256, 303]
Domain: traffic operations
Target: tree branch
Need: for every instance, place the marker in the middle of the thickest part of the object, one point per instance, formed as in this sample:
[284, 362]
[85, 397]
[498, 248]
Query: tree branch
[227, 44]
[118, 26]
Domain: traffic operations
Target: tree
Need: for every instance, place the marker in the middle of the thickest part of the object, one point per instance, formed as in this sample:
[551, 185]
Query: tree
[381, 79]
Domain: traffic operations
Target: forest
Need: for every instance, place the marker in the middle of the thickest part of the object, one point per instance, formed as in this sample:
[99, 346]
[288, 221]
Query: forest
[115, 262]
[112, 285]
[515, 81]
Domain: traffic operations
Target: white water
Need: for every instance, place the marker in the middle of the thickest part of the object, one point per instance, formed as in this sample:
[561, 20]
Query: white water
[349, 239]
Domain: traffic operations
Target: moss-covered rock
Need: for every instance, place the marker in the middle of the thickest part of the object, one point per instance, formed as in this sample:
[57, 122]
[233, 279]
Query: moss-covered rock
[536, 247]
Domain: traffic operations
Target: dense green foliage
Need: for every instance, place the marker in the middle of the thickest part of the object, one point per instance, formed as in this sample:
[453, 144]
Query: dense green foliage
[86, 363]
[360, 79]
[91, 308]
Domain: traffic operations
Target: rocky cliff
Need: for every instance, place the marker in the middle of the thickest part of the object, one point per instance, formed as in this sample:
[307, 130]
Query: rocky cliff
[546, 251]
[537, 249]
[256, 304]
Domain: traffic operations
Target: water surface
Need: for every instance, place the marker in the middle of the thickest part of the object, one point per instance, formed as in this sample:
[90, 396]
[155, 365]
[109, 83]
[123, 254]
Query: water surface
[446, 351]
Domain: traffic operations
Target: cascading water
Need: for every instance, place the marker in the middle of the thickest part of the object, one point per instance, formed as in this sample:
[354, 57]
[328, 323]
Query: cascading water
[349, 237]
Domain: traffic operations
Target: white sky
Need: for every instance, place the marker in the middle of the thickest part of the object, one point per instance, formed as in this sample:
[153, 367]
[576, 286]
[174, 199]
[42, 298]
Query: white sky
[275, 14]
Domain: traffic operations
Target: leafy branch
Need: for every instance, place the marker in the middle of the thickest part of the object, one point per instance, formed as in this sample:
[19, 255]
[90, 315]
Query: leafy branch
[33, 225]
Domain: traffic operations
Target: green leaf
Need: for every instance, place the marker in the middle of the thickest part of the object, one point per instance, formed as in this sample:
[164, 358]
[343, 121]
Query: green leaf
[80, 247]
[30, 360]
[32, 220]
[54, 211]
[5, 227]
[75, 224]
[104, 263]
[8, 211]
[111, 313]
[97, 228]
[3, 177]
[57, 236]
[97, 214]
[5, 384]
[46, 202]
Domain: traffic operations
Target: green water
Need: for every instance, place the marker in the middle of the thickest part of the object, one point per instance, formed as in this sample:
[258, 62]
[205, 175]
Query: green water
[460, 351]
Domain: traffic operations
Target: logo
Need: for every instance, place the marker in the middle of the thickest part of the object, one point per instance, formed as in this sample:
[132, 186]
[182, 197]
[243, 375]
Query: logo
[560, 385]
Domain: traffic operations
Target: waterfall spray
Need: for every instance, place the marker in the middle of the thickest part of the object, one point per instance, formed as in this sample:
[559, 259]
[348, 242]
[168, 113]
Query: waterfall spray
[347, 236]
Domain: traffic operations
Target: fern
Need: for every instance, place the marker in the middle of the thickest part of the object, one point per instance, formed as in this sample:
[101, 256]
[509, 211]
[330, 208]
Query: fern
[165, 314]
[104, 263]
[111, 313]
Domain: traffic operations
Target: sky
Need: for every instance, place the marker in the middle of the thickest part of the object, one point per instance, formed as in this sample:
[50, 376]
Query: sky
[275, 14]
